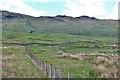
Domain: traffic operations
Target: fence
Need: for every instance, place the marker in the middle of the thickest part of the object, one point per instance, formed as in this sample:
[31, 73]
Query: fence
[48, 69]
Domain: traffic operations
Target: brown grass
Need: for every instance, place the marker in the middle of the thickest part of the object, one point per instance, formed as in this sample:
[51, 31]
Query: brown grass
[12, 57]
[105, 72]
[76, 56]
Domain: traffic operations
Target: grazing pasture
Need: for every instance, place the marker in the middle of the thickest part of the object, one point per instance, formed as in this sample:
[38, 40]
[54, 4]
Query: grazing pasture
[81, 57]
[72, 47]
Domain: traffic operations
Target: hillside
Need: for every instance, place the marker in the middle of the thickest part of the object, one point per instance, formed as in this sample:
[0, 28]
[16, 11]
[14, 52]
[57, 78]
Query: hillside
[83, 25]
[61, 46]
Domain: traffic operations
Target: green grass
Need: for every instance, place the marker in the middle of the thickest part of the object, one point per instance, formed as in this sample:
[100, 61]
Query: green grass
[17, 65]
[51, 25]
[53, 38]
[96, 35]
[77, 68]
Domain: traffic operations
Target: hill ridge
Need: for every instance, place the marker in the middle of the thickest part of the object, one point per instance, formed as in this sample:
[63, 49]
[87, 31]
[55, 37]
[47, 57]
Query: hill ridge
[8, 14]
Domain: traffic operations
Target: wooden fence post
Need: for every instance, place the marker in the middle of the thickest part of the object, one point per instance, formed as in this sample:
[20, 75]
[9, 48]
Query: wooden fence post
[60, 74]
[41, 65]
[46, 68]
[68, 75]
[55, 73]
[50, 74]
[26, 49]
[37, 61]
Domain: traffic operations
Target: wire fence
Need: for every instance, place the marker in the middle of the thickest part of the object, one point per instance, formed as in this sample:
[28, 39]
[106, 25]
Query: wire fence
[48, 69]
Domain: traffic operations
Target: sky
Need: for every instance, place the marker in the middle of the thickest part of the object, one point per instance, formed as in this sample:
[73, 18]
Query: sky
[102, 9]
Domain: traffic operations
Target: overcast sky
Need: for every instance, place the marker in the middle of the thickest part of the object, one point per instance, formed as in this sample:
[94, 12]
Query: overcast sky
[103, 9]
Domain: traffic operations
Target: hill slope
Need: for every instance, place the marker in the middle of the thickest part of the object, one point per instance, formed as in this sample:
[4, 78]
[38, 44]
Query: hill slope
[83, 25]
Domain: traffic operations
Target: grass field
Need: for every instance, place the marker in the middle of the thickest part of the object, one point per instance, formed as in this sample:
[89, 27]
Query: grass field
[83, 46]
[16, 64]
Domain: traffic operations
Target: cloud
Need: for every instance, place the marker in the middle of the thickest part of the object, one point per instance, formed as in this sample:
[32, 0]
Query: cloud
[85, 7]
[94, 8]
[20, 7]
[42, 0]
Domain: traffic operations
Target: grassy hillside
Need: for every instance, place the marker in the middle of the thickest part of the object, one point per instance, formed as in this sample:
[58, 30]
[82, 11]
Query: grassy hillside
[84, 25]
[91, 40]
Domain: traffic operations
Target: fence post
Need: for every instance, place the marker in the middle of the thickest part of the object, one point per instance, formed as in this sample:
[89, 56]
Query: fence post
[54, 73]
[46, 68]
[26, 49]
[32, 57]
[35, 59]
[68, 75]
[50, 74]
[41, 64]
[38, 61]
[60, 74]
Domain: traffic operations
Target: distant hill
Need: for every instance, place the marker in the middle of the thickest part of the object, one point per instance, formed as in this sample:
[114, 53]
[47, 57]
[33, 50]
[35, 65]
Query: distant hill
[83, 25]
